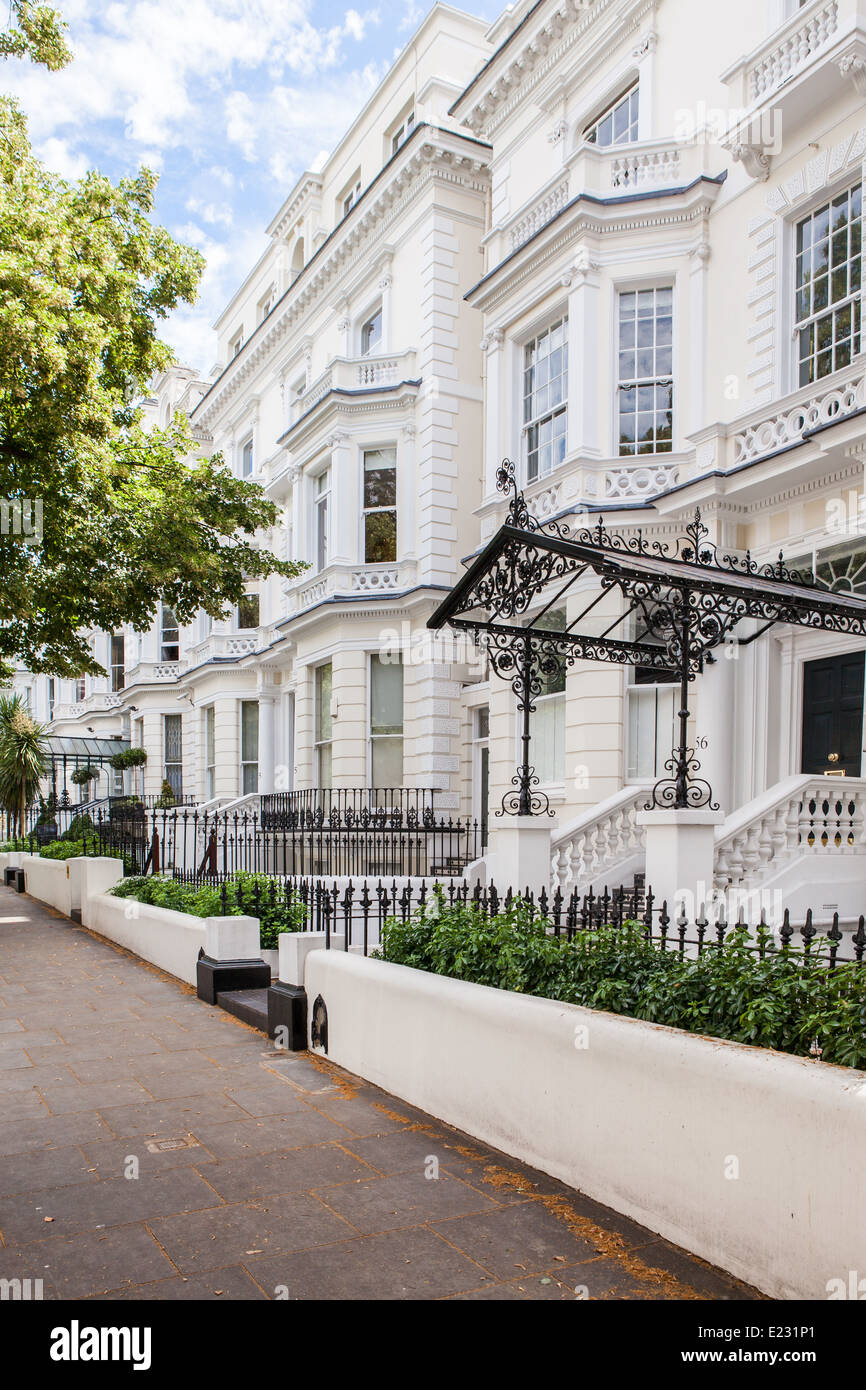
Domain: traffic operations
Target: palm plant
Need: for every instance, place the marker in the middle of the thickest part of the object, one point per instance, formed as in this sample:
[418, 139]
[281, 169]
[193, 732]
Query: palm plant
[23, 758]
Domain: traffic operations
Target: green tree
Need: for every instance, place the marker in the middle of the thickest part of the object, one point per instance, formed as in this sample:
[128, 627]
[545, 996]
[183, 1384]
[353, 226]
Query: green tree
[23, 758]
[100, 518]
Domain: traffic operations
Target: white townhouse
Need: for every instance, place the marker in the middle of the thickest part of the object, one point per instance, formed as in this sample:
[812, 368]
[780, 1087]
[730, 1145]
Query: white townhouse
[619, 243]
[670, 312]
[349, 388]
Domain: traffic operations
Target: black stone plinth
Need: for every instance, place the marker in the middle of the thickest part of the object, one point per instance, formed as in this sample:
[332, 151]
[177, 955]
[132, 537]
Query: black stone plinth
[214, 977]
[287, 1009]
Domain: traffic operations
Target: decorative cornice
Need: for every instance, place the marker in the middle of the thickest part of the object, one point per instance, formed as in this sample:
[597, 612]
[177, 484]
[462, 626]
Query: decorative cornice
[451, 159]
[507, 79]
[585, 218]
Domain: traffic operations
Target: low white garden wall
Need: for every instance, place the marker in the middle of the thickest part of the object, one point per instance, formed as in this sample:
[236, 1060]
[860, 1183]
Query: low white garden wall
[52, 881]
[171, 940]
[750, 1159]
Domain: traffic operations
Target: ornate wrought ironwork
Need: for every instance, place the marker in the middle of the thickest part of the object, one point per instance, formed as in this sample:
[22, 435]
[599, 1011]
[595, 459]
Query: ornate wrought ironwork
[689, 595]
[682, 788]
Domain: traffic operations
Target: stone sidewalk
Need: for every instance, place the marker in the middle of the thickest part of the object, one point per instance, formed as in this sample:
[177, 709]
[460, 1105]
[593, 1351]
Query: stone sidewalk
[152, 1147]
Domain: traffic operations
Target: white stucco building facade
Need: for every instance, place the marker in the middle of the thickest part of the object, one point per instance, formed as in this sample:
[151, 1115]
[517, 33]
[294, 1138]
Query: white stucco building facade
[620, 244]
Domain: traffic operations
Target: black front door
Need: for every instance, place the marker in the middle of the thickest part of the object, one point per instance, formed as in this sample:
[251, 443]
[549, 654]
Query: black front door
[833, 715]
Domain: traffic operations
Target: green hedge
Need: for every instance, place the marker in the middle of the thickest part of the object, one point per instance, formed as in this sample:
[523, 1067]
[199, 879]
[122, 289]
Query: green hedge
[247, 895]
[781, 1001]
[73, 849]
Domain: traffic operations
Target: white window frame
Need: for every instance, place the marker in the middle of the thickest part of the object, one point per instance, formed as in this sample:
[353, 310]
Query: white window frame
[210, 752]
[117, 684]
[178, 790]
[349, 198]
[625, 95]
[382, 738]
[802, 214]
[266, 304]
[246, 762]
[372, 348]
[320, 743]
[560, 409]
[321, 534]
[636, 287]
[235, 344]
[403, 131]
[372, 511]
[163, 629]
[247, 450]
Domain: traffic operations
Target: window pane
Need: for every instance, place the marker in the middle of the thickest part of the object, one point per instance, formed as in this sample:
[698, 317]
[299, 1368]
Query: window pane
[323, 702]
[249, 731]
[380, 538]
[547, 739]
[248, 611]
[386, 762]
[386, 696]
[380, 478]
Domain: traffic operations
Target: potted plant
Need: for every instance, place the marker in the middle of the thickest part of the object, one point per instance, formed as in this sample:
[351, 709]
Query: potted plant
[166, 798]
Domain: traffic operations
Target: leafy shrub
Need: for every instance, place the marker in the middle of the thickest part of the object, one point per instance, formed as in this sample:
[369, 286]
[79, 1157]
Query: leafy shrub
[10, 846]
[246, 895]
[77, 829]
[73, 849]
[782, 1001]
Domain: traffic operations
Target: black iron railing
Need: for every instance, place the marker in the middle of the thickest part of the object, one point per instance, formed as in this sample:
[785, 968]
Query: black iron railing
[353, 914]
[153, 840]
[347, 807]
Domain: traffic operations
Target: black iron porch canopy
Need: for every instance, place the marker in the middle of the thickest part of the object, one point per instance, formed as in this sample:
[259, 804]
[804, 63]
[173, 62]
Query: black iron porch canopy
[688, 596]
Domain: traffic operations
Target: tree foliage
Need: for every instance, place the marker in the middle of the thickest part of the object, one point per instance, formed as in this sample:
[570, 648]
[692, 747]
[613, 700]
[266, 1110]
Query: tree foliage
[23, 757]
[102, 519]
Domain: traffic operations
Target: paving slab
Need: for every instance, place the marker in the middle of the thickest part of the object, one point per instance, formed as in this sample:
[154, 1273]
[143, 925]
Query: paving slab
[155, 1148]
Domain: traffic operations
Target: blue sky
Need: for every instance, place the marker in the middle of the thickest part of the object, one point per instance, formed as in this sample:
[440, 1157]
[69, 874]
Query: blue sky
[229, 100]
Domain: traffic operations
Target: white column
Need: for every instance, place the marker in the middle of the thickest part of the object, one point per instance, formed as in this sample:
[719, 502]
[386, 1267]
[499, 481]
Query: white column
[344, 328]
[266, 742]
[715, 724]
[407, 493]
[644, 55]
[385, 285]
[343, 508]
[697, 339]
[493, 345]
[583, 358]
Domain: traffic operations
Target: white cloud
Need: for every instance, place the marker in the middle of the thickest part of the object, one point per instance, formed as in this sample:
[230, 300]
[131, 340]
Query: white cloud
[240, 125]
[56, 154]
[229, 100]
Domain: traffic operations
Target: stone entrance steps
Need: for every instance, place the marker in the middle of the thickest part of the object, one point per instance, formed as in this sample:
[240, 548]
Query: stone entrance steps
[249, 1005]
